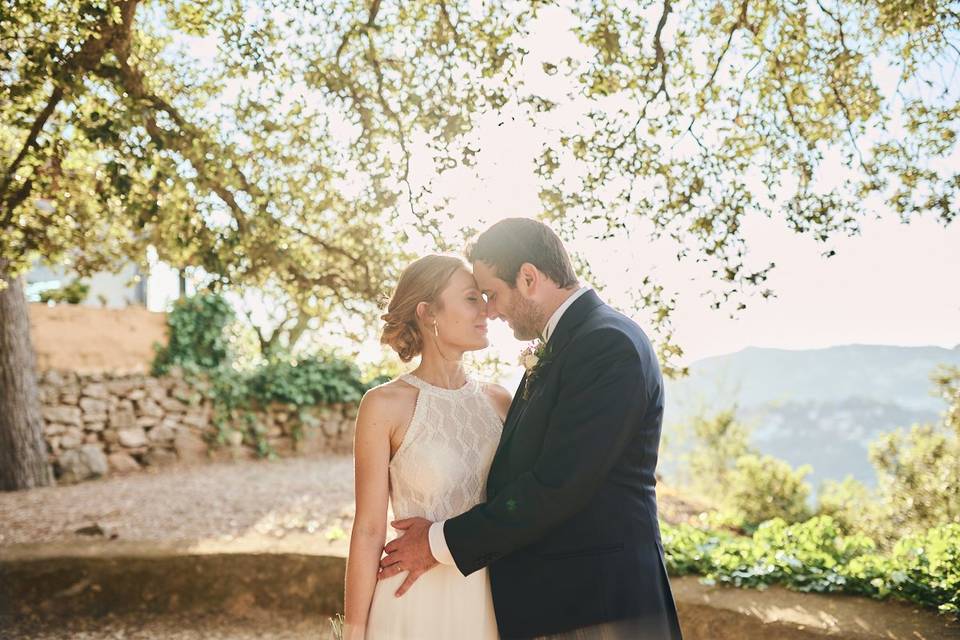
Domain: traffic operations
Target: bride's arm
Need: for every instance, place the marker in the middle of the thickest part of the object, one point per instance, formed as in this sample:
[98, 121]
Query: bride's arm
[371, 461]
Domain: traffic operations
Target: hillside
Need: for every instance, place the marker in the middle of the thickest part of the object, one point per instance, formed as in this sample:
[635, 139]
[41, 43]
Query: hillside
[820, 407]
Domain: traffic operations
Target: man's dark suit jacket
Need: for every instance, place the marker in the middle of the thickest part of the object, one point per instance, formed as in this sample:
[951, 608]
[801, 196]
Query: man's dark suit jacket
[569, 530]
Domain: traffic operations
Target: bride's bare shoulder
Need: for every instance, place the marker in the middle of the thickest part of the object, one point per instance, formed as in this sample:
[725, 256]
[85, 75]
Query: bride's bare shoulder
[389, 396]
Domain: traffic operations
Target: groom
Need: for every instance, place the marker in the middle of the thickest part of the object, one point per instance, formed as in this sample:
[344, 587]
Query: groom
[569, 529]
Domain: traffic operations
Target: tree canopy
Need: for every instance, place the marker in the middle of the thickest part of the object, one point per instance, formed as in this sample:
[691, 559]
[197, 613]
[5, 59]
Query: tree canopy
[303, 148]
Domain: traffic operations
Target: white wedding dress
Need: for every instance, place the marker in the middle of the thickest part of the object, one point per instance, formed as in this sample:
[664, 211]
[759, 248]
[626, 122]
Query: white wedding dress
[440, 471]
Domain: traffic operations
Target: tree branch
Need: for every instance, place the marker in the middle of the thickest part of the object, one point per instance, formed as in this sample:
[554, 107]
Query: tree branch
[38, 124]
[660, 62]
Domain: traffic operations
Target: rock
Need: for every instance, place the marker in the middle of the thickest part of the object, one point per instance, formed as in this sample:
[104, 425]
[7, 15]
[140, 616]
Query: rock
[173, 405]
[160, 457]
[282, 446]
[122, 462]
[194, 419]
[53, 428]
[182, 392]
[90, 422]
[93, 409]
[156, 391]
[136, 395]
[331, 427]
[121, 387]
[63, 414]
[122, 417]
[313, 441]
[149, 407]
[163, 433]
[48, 395]
[350, 411]
[91, 438]
[132, 437]
[111, 436]
[190, 447]
[98, 391]
[53, 378]
[235, 438]
[53, 444]
[96, 459]
[80, 464]
[72, 438]
[70, 394]
[92, 530]
[148, 421]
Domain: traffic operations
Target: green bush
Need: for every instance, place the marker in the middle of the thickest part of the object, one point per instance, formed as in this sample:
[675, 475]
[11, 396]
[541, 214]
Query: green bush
[746, 488]
[816, 556]
[762, 488]
[309, 381]
[850, 503]
[73, 293]
[719, 441]
[196, 335]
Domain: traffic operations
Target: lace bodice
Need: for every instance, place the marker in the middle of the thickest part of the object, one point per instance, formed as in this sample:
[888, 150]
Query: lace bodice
[440, 469]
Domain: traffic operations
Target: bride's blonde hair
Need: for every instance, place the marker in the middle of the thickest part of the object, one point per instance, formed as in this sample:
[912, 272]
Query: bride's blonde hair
[422, 281]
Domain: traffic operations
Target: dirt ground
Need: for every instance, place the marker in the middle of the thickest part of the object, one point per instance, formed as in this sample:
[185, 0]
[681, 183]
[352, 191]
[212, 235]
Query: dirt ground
[91, 340]
[258, 500]
[296, 505]
[144, 626]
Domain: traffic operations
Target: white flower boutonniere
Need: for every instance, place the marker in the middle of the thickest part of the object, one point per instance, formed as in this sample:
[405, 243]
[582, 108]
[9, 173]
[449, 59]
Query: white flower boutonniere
[531, 359]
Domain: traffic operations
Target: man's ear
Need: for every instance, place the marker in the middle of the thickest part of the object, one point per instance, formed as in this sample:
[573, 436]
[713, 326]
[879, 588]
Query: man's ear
[527, 278]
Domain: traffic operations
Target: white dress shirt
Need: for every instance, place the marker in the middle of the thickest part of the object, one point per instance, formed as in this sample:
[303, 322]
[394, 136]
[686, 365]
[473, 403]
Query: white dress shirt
[438, 542]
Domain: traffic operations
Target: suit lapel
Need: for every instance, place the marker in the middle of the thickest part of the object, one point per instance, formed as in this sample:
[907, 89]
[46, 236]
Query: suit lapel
[572, 318]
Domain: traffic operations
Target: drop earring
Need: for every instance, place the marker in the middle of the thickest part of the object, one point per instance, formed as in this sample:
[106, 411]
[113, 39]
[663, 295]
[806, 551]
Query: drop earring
[436, 331]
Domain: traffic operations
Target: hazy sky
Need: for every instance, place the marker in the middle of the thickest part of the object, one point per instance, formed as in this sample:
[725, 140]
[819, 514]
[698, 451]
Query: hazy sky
[893, 284]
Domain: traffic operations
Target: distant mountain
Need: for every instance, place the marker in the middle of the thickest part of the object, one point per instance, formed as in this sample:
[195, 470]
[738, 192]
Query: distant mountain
[821, 407]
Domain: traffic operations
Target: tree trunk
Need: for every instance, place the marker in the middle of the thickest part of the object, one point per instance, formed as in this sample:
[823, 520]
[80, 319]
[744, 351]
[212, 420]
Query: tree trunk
[23, 455]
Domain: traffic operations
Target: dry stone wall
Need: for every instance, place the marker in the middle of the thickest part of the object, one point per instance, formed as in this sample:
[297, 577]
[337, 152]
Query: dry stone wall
[99, 424]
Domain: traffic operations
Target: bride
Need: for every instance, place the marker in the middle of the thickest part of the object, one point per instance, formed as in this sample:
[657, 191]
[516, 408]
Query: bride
[425, 441]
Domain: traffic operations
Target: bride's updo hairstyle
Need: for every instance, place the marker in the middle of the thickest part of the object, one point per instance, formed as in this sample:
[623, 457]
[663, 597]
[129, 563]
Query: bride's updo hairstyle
[422, 281]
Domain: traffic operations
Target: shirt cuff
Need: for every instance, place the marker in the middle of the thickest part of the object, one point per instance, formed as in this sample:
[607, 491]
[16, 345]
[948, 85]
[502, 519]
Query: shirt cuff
[438, 544]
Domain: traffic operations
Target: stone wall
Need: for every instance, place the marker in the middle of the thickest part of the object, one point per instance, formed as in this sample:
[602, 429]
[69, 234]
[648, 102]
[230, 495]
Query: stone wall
[98, 424]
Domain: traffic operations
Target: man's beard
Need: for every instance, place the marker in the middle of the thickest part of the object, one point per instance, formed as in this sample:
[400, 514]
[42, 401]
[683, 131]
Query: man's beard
[527, 318]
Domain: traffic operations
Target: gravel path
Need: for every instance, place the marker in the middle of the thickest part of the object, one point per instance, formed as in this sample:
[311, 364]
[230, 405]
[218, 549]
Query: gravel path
[257, 626]
[295, 498]
[223, 500]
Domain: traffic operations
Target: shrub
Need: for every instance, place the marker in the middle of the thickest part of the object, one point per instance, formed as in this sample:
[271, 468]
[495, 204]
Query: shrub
[73, 293]
[196, 335]
[718, 442]
[816, 556]
[308, 381]
[765, 487]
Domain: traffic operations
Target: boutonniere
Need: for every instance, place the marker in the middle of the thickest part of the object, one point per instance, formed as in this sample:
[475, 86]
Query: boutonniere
[532, 359]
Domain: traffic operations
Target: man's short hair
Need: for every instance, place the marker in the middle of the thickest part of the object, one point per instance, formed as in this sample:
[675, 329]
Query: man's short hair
[513, 241]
